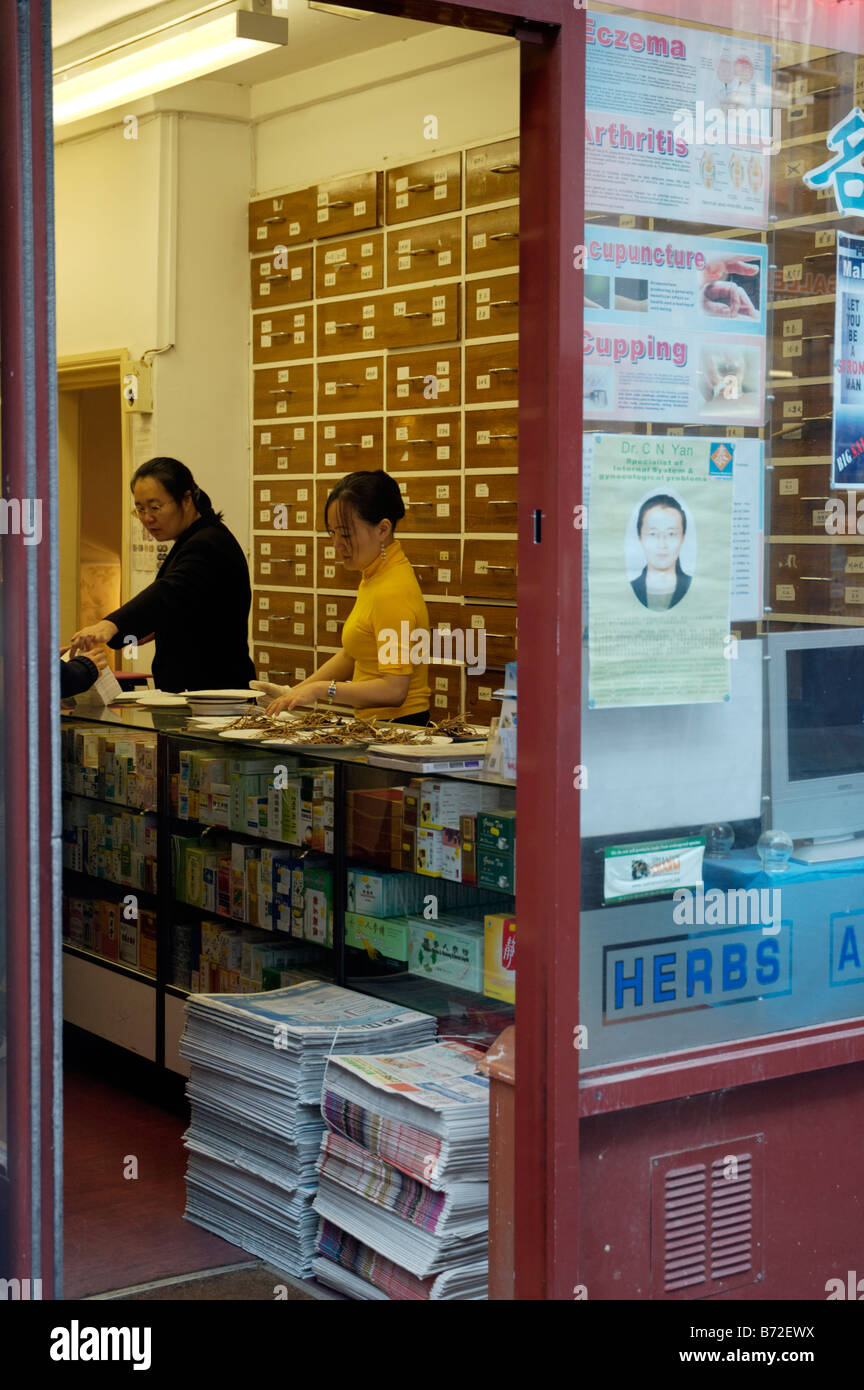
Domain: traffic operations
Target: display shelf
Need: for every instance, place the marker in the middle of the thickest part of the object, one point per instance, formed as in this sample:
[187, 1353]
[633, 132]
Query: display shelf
[118, 967]
[111, 805]
[91, 880]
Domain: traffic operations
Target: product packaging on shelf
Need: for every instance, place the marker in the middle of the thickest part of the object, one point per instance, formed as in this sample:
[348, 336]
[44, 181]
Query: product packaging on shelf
[449, 950]
[496, 831]
[496, 871]
[499, 960]
[384, 939]
[128, 941]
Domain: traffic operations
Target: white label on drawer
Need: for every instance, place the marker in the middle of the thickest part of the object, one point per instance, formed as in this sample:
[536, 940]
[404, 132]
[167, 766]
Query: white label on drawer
[329, 431]
[323, 214]
[331, 609]
[735, 431]
[367, 441]
[855, 564]
[399, 308]
[791, 273]
[329, 571]
[443, 431]
[481, 489]
[371, 373]
[360, 208]
[483, 436]
[441, 683]
[264, 268]
[443, 554]
[478, 241]
[263, 602]
[265, 568]
[820, 517]
[483, 312]
[793, 410]
[368, 311]
[281, 407]
[265, 494]
[298, 627]
[329, 552]
[442, 451]
[442, 509]
[443, 576]
[368, 331]
[300, 606]
[444, 257]
[440, 701]
[265, 515]
[440, 176]
[263, 656]
[481, 566]
[329, 460]
[477, 620]
[300, 548]
[300, 337]
[293, 228]
[403, 246]
[299, 673]
[284, 375]
[793, 328]
[300, 432]
[281, 461]
[484, 296]
[404, 263]
[402, 373]
[264, 289]
[483, 383]
[334, 257]
[785, 592]
[793, 348]
[440, 191]
[296, 272]
[403, 389]
[825, 238]
[329, 278]
[331, 626]
[484, 692]
[330, 388]
[263, 624]
[788, 487]
[401, 432]
[261, 233]
[439, 301]
[403, 487]
[366, 272]
[330, 326]
[265, 340]
[266, 325]
[442, 490]
[438, 320]
[401, 185]
[443, 386]
[265, 437]
[442, 368]
[401, 200]
[367, 248]
[302, 518]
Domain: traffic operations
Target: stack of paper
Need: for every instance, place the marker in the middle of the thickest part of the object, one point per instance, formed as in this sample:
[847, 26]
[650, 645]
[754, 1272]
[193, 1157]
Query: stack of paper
[403, 1175]
[258, 1065]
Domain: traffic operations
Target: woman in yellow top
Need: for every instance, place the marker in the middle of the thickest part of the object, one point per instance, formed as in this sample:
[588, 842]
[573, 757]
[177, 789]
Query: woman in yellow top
[374, 672]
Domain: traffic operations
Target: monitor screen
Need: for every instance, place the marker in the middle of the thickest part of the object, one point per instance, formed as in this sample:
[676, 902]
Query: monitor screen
[825, 712]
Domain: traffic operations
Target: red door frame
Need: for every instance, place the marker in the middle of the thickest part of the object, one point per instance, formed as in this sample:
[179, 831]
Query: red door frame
[30, 730]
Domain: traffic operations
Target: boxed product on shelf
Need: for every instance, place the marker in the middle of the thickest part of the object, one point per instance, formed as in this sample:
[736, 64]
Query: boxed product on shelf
[380, 893]
[496, 830]
[374, 825]
[128, 952]
[147, 940]
[260, 955]
[409, 848]
[449, 950]
[443, 802]
[106, 929]
[496, 870]
[429, 851]
[451, 854]
[288, 892]
[499, 957]
[468, 838]
[382, 938]
[318, 903]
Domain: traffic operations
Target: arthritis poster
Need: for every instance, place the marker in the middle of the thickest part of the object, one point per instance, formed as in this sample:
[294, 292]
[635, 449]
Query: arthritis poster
[847, 449]
[659, 560]
[674, 328]
[679, 122]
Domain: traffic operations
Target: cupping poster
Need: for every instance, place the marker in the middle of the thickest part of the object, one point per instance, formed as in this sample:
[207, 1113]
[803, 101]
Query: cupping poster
[678, 123]
[847, 470]
[674, 328]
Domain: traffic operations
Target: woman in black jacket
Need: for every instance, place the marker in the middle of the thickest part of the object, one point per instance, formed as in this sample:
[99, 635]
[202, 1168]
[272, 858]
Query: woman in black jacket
[197, 608]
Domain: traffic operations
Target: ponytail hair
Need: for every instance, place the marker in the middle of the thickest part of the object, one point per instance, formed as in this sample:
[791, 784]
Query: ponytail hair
[177, 481]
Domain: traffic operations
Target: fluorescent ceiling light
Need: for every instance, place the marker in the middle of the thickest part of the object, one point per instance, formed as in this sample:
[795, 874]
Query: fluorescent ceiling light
[166, 58]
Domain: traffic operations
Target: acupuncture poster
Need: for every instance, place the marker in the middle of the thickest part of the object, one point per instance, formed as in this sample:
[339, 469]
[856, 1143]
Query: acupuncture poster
[674, 328]
[847, 449]
[659, 562]
[679, 122]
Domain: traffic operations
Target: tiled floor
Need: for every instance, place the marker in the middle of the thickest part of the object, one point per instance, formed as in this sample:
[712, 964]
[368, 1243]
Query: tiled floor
[121, 1231]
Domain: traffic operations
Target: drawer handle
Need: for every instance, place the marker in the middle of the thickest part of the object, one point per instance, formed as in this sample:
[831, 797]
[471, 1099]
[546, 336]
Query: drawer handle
[340, 203]
[419, 187]
[279, 448]
[501, 636]
[499, 303]
[500, 502]
[796, 425]
[283, 333]
[819, 255]
[424, 567]
[278, 618]
[423, 251]
[346, 325]
[503, 436]
[511, 569]
[280, 276]
[275, 560]
[347, 265]
[504, 169]
[504, 236]
[347, 385]
[346, 446]
[417, 314]
[502, 369]
[415, 441]
[421, 504]
[279, 391]
[272, 221]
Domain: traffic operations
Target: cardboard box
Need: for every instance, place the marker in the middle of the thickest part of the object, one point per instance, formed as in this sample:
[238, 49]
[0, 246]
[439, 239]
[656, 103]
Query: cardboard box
[449, 950]
[429, 851]
[496, 871]
[451, 855]
[468, 837]
[496, 831]
[409, 848]
[318, 904]
[128, 950]
[378, 893]
[499, 957]
[384, 939]
[147, 941]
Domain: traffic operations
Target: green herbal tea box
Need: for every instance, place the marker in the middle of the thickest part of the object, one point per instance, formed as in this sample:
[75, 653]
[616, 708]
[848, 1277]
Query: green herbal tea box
[496, 871]
[448, 952]
[318, 905]
[496, 831]
[377, 893]
[380, 937]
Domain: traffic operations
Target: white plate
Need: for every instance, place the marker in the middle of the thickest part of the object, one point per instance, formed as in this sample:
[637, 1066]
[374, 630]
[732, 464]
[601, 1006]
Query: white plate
[221, 694]
[240, 733]
[160, 699]
[199, 722]
[410, 750]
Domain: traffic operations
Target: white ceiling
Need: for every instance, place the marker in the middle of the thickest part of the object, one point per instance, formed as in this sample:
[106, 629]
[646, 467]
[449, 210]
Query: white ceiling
[314, 38]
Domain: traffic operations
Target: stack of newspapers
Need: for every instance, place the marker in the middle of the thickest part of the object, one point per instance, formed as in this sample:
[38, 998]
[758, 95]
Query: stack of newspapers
[257, 1067]
[403, 1175]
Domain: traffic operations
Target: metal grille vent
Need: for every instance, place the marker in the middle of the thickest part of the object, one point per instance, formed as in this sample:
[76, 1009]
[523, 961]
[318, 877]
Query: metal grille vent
[705, 1219]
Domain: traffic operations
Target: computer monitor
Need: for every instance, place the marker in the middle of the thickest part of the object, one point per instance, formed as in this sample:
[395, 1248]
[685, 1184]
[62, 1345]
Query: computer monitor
[816, 722]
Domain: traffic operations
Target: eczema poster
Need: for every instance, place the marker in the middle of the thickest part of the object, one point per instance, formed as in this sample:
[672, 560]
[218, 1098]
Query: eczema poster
[847, 449]
[674, 328]
[659, 555]
[677, 122]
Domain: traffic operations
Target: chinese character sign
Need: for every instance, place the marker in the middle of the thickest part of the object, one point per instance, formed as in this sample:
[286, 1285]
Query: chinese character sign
[843, 173]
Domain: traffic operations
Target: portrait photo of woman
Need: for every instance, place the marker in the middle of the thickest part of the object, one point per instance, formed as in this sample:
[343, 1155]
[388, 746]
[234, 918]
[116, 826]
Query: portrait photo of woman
[661, 530]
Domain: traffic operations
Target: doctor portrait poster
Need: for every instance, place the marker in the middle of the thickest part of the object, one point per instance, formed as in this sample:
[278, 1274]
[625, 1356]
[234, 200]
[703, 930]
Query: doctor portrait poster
[659, 561]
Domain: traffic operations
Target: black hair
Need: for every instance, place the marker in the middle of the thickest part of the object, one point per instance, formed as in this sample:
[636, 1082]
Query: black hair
[661, 500]
[177, 480]
[373, 496]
